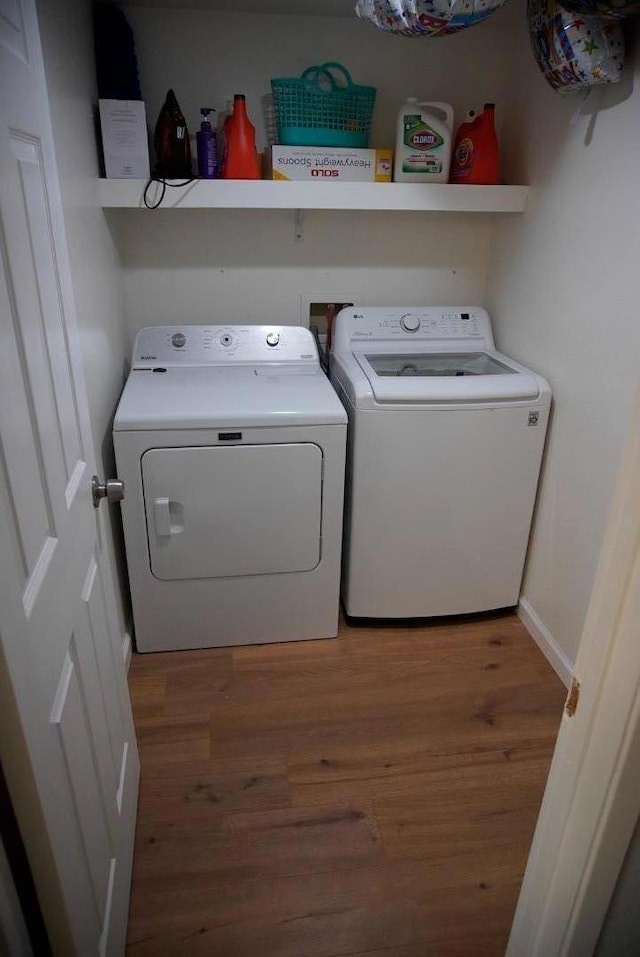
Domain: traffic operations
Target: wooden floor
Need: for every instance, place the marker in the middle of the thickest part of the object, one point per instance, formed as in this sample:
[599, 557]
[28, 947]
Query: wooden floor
[370, 795]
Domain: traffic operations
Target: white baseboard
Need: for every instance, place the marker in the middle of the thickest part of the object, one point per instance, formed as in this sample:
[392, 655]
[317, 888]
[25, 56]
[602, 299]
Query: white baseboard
[545, 642]
[126, 650]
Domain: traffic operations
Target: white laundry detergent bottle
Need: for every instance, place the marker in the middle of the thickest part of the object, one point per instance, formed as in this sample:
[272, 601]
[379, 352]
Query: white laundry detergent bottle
[423, 142]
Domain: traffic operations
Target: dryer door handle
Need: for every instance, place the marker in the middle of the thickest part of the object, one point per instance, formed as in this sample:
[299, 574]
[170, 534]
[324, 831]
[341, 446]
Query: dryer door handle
[162, 517]
[168, 517]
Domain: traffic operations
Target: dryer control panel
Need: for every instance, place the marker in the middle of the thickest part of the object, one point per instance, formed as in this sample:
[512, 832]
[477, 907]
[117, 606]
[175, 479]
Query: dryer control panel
[223, 345]
[447, 325]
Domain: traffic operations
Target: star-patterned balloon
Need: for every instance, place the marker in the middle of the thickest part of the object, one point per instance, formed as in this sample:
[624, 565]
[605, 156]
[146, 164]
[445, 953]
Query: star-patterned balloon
[574, 51]
[610, 9]
[425, 18]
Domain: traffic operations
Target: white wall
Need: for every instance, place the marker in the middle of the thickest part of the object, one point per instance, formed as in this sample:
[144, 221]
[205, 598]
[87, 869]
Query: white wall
[563, 290]
[205, 266]
[67, 41]
[244, 266]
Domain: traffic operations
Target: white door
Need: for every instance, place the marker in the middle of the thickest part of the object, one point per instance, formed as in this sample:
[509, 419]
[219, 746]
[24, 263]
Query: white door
[66, 736]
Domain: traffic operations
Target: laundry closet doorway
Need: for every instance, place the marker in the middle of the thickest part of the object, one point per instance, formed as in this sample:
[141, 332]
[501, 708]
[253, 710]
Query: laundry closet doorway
[611, 743]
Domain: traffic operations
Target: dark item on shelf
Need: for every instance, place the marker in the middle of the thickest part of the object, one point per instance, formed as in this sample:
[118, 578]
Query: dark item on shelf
[171, 141]
[115, 50]
[323, 107]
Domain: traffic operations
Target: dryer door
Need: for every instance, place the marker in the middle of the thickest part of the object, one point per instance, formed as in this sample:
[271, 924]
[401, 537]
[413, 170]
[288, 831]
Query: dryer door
[225, 511]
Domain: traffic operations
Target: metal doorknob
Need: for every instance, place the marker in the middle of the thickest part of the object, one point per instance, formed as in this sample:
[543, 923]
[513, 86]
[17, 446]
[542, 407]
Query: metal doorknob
[112, 490]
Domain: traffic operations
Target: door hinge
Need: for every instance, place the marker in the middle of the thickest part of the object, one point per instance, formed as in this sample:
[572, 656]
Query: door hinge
[572, 698]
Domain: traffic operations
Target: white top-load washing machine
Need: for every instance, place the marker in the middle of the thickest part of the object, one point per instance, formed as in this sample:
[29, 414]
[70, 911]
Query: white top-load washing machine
[445, 443]
[231, 444]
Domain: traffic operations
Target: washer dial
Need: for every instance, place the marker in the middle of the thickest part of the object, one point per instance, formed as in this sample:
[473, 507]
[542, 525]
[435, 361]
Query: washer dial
[273, 338]
[178, 340]
[409, 322]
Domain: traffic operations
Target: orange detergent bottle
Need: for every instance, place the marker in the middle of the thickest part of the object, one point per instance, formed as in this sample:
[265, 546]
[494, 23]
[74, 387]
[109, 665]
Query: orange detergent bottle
[476, 153]
[241, 157]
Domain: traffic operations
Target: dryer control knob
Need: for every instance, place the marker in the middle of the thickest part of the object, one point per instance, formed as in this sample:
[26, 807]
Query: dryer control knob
[273, 338]
[410, 323]
[178, 340]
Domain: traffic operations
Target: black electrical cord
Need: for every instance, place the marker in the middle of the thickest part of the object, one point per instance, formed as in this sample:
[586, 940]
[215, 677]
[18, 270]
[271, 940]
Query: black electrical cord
[164, 184]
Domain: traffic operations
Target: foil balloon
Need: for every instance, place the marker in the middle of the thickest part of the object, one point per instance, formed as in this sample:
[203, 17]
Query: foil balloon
[611, 9]
[425, 18]
[574, 52]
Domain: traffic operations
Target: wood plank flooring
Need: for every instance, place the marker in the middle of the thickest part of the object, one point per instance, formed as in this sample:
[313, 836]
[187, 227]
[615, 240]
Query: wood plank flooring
[374, 795]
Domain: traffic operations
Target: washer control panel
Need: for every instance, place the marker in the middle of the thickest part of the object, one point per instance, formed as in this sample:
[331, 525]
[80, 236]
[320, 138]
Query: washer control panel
[465, 324]
[223, 345]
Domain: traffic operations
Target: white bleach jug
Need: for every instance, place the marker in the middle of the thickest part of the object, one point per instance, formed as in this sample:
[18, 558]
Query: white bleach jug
[423, 143]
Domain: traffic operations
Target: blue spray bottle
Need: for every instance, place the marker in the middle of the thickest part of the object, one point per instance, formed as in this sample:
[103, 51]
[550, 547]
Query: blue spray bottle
[206, 143]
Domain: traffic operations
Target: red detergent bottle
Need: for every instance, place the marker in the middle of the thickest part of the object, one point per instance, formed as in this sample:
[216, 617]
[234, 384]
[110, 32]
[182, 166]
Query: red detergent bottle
[241, 157]
[476, 153]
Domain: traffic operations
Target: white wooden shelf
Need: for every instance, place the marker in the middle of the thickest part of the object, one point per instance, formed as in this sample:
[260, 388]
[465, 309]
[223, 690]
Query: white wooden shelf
[266, 194]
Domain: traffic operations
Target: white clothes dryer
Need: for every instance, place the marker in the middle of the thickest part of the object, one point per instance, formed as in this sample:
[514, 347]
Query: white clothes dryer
[231, 444]
[444, 450]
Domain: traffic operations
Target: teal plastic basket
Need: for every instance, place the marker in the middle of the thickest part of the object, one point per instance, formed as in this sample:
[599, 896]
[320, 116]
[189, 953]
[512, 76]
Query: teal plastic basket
[316, 110]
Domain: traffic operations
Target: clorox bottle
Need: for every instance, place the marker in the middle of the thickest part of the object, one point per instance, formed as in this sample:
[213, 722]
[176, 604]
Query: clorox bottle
[423, 143]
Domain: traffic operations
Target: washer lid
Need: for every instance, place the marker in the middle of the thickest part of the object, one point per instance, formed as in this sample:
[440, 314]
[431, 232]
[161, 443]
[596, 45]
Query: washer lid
[446, 376]
[204, 397]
